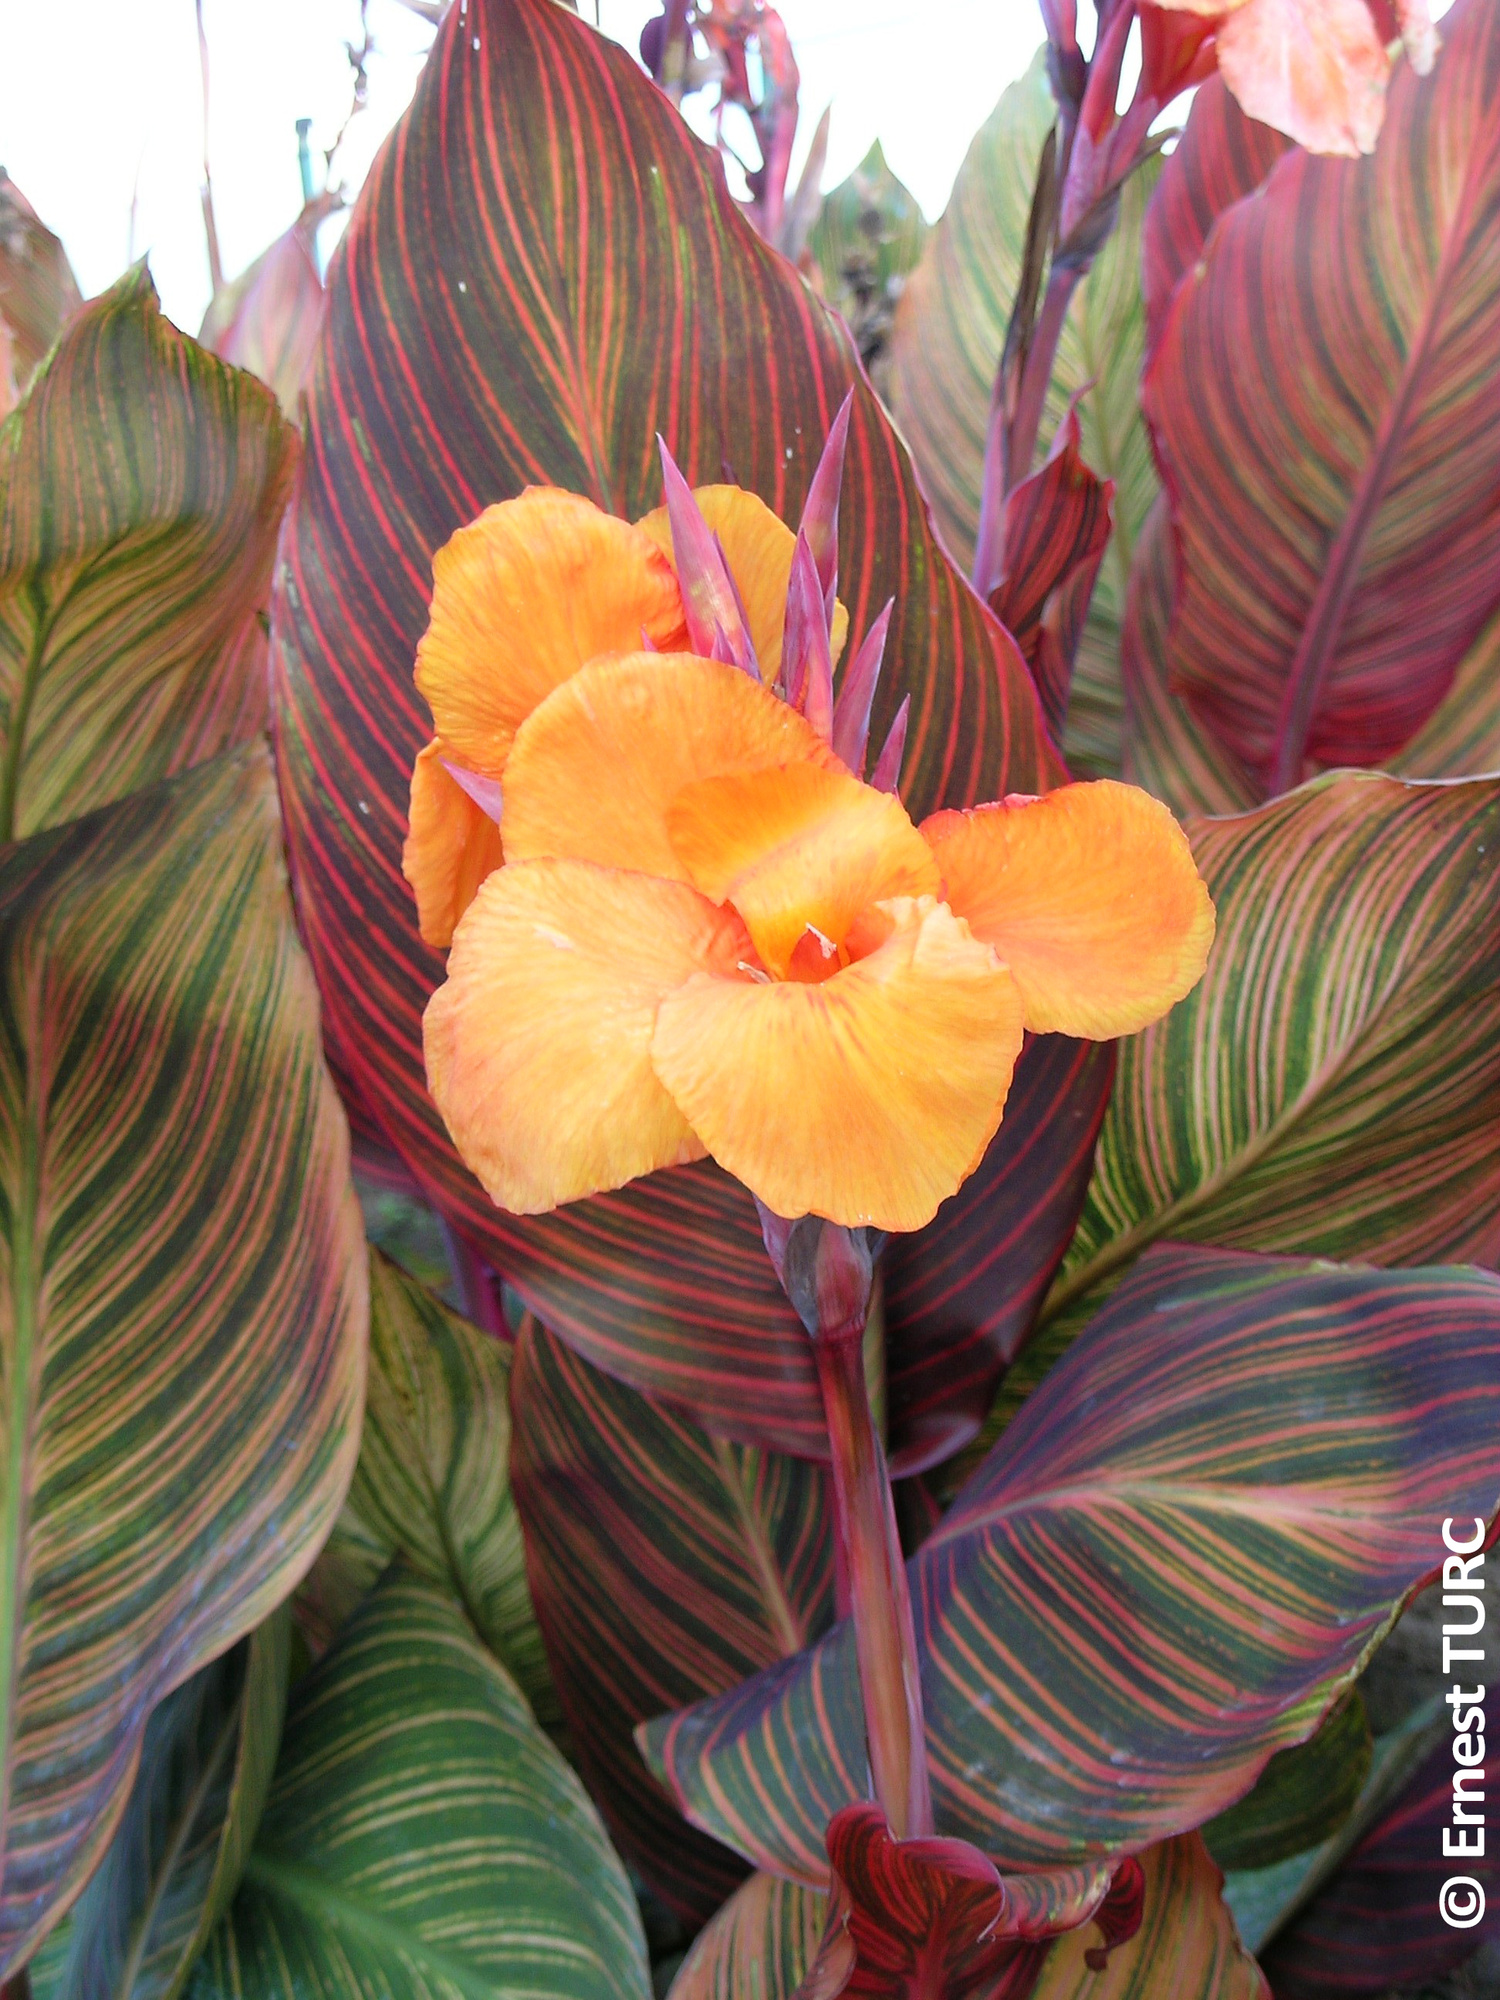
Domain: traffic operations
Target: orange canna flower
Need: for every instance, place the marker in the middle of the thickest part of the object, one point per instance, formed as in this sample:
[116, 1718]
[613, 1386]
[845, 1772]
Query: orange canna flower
[708, 933]
[1315, 69]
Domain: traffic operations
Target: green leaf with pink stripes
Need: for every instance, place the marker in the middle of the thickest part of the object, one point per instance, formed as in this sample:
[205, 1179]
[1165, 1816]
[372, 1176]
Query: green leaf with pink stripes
[182, 1291]
[142, 484]
[666, 1565]
[1355, 977]
[1334, 485]
[543, 270]
[1169, 1567]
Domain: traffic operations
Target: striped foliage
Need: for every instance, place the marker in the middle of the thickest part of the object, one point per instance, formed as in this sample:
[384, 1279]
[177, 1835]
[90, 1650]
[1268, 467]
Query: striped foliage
[1302, 1797]
[758, 1946]
[1168, 1568]
[868, 235]
[180, 1848]
[1186, 1947]
[1334, 488]
[141, 486]
[423, 1840]
[267, 320]
[1375, 1924]
[542, 270]
[962, 1295]
[667, 1565]
[1355, 976]
[182, 1291]
[945, 345]
[433, 1481]
[1222, 156]
[37, 287]
[1170, 752]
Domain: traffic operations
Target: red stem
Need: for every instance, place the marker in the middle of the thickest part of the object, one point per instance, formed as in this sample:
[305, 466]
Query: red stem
[884, 1635]
[1011, 443]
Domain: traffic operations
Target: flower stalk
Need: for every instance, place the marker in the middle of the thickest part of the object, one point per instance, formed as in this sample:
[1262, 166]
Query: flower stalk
[828, 1274]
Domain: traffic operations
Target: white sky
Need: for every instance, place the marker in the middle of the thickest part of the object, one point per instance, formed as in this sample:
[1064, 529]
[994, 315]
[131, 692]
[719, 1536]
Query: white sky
[101, 97]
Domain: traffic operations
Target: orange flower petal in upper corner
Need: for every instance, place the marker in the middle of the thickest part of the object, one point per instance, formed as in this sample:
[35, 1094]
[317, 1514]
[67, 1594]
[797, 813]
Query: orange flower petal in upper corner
[758, 547]
[521, 598]
[451, 847]
[595, 769]
[798, 847]
[867, 1098]
[1317, 72]
[538, 1044]
[1090, 895]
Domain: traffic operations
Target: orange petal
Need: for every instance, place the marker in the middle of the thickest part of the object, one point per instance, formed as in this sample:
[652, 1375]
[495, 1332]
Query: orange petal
[1317, 72]
[538, 1045]
[759, 548]
[798, 847]
[867, 1099]
[595, 769]
[450, 848]
[1090, 895]
[521, 598]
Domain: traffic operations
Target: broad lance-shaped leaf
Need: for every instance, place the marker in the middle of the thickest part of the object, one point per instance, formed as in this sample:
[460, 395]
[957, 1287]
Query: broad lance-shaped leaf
[141, 487]
[182, 1291]
[1168, 1568]
[1221, 157]
[1356, 975]
[179, 1850]
[38, 291]
[1186, 1947]
[667, 1565]
[423, 1840]
[762, 1942]
[945, 344]
[1171, 753]
[1303, 1795]
[1334, 488]
[470, 347]
[432, 1483]
[1378, 1923]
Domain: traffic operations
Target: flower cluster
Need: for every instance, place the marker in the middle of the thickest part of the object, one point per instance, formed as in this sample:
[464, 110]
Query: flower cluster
[694, 927]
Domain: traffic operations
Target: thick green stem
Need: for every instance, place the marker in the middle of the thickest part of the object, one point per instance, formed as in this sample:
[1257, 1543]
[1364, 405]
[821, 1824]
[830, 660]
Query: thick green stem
[884, 1635]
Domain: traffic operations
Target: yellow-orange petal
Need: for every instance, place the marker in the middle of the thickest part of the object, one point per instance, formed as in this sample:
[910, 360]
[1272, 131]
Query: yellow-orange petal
[450, 846]
[1090, 895]
[798, 847]
[869, 1098]
[759, 549]
[595, 769]
[538, 1044]
[1317, 73]
[521, 598]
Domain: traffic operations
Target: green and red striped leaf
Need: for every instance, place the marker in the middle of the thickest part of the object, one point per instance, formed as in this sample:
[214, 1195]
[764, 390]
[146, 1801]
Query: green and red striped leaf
[1221, 157]
[1355, 976]
[179, 1851]
[1168, 1568]
[758, 1946]
[432, 1483]
[543, 270]
[267, 319]
[1377, 1924]
[945, 345]
[1334, 466]
[38, 291]
[666, 1565]
[423, 1840]
[1186, 1947]
[182, 1291]
[1302, 1797]
[142, 483]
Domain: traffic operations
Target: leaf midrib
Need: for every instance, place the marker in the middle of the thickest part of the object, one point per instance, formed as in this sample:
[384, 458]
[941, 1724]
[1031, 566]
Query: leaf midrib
[315, 1894]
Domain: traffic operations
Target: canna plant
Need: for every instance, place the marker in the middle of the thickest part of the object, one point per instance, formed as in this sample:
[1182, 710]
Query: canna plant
[946, 1300]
